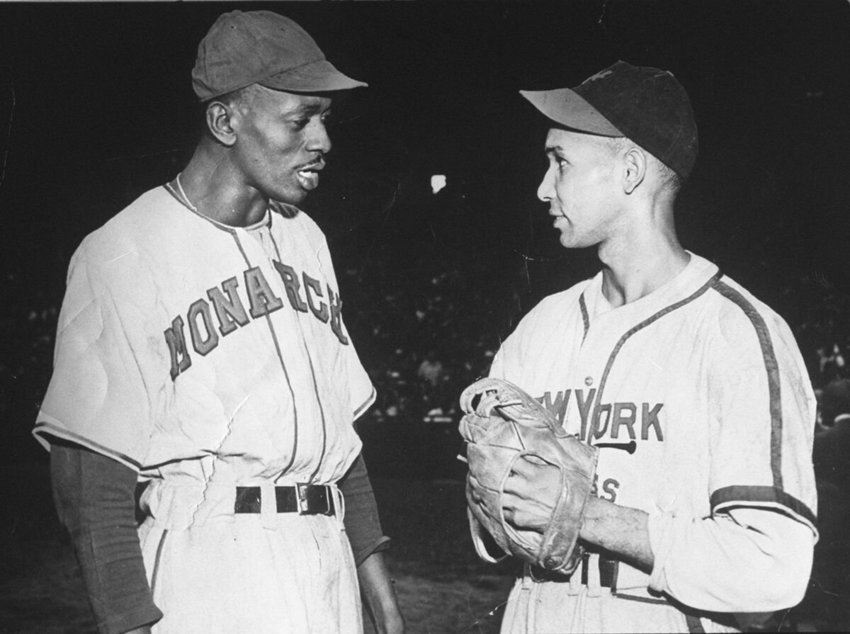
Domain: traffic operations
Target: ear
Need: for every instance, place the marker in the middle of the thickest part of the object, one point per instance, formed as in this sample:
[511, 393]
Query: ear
[218, 116]
[634, 170]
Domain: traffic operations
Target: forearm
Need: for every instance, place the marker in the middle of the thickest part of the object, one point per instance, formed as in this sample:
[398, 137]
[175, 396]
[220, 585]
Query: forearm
[94, 500]
[378, 593]
[618, 529]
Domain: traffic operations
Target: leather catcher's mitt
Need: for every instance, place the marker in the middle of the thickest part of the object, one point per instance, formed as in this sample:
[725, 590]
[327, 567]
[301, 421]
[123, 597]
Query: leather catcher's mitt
[501, 425]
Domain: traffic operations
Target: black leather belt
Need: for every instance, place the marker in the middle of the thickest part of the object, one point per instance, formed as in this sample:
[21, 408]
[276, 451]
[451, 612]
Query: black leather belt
[304, 499]
[607, 572]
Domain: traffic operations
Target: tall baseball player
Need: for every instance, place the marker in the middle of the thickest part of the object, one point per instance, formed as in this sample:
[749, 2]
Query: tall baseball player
[701, 515]
[201, 350]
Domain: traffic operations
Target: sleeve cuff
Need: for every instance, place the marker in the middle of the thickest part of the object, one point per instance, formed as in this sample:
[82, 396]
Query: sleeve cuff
[379, 545]
[116, 624]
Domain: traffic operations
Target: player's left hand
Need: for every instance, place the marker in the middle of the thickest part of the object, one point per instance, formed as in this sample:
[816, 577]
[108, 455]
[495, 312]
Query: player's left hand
[530, 494]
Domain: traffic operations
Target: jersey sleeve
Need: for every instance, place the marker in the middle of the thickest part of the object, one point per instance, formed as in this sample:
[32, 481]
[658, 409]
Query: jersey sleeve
[761, 431]
[741, 560]
[105, 384]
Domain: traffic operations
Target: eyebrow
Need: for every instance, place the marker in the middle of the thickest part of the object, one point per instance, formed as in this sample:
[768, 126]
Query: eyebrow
[307, 109]
[551, 149]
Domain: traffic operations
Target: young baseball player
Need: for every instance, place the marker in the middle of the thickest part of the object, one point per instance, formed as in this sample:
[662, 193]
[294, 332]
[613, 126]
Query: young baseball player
[693, 391]
[201, 350]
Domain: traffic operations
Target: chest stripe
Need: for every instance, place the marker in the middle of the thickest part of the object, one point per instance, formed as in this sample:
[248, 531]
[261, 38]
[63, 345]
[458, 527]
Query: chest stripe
[282, 365]
[621, 342]
[772, 369]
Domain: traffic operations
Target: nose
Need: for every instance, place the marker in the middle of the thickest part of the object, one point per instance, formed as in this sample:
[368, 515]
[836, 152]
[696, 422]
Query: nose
[545, 191]
[319, 140]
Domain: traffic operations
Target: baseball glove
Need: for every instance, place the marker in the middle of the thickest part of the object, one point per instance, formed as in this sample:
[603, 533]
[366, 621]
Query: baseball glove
[501, 425]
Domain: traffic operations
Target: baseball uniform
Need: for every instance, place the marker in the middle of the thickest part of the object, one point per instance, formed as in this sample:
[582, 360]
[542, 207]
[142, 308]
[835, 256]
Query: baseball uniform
[698, 400]
[209, 357]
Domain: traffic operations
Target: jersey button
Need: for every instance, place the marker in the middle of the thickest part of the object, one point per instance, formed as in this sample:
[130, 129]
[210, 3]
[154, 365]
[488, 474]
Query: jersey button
[588, 381]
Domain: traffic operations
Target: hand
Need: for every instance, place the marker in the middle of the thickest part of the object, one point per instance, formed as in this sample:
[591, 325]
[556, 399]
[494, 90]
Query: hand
[531, 492]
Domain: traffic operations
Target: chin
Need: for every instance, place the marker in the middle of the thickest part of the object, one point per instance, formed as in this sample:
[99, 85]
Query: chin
[291, 196]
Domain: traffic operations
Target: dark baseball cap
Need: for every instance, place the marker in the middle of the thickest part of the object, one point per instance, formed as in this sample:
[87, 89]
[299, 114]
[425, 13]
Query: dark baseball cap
[266, 48]
[647, 105]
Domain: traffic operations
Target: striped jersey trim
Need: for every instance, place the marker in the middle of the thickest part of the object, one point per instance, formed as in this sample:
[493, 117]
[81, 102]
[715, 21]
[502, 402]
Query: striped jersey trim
[772, 369]
[764, 497]
[366, 404]
[43, 429]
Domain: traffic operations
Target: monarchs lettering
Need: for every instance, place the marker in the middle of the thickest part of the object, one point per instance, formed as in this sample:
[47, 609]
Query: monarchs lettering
[235, 303]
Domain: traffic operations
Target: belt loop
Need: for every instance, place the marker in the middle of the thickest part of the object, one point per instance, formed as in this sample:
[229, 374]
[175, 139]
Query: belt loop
[594, 584]
[527, 578]
[268, 505]
[575, 579]
[338, 502]
[301, 497]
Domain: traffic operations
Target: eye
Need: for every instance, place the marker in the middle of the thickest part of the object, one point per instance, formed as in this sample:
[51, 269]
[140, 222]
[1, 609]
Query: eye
[299, 124]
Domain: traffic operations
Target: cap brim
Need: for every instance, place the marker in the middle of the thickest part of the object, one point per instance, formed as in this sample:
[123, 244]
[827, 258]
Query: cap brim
[567, 108]
[320, 76]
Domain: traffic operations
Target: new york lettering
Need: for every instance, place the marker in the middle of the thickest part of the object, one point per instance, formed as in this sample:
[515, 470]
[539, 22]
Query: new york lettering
[619, 421]
[223, 311]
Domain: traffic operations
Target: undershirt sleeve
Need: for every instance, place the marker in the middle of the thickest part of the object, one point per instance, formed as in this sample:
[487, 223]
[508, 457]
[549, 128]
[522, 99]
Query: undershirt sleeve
[94, 497]
[362, 523]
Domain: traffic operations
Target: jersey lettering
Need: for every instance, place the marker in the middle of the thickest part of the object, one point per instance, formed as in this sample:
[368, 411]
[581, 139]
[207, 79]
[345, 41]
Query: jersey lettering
[230, 312]
[610, 488]
[321, 312]
[292, 285]
[260, 295]
[624, 415]
[559, 406]
[176, 342]
[617, 420]
[336, 316]
[202, 346]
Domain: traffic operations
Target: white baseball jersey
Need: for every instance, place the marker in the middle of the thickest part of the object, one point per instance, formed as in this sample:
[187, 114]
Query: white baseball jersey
[700, 404]
[207, 356]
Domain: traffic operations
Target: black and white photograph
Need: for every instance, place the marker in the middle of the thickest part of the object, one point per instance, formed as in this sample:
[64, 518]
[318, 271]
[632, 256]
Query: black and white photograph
[425, 317]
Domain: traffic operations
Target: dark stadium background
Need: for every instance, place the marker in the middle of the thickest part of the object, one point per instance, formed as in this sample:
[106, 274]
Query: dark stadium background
[96, 107]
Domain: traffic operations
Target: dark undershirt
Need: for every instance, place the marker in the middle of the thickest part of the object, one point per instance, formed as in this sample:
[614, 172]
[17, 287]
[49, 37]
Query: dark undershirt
[95, 501]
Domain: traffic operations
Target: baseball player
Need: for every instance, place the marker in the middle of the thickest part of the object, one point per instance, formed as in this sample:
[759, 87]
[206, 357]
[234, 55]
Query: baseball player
[695, 394]
[201, 350]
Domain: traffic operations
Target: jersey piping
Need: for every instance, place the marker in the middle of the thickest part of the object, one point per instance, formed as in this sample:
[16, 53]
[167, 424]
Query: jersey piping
[282, 365]
[585, 318]
[267, 221]
[46, 427]
[772, 369]
[313, 376]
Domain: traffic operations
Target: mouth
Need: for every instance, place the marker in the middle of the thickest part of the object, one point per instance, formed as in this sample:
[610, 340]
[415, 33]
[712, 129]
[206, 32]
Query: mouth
[308, 175]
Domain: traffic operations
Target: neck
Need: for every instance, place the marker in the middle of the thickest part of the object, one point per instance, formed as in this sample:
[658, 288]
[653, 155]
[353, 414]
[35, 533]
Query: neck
[212, 187]
[641, 261]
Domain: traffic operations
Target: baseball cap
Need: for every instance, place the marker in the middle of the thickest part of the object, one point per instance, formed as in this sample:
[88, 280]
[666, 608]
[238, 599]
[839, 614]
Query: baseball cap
[266, 48]
[647, 105]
